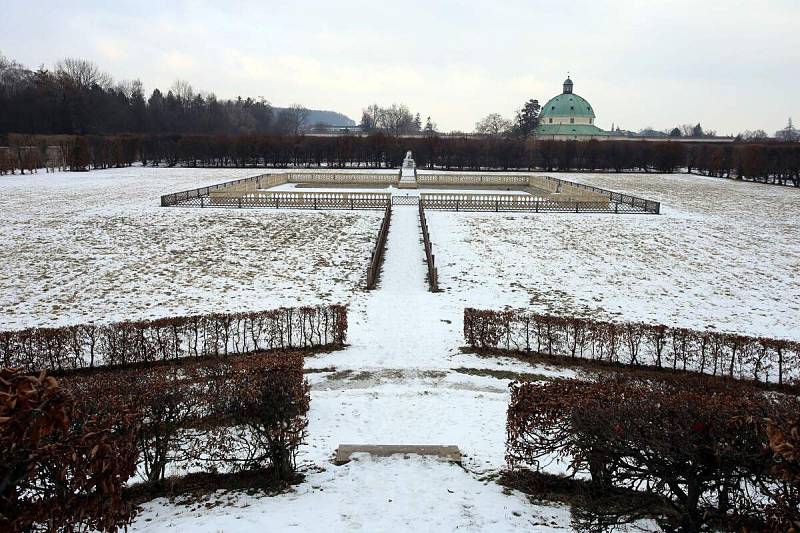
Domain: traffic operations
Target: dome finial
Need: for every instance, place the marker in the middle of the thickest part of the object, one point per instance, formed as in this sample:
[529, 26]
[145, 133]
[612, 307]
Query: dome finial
[568, 85]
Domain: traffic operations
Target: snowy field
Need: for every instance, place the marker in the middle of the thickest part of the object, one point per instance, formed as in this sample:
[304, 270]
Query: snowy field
[723, 255]
[98, 246]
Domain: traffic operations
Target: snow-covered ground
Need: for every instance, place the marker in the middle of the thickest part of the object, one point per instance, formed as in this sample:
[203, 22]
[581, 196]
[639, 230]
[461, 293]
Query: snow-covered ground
[723, 254]
[98, 246]
[380, 495]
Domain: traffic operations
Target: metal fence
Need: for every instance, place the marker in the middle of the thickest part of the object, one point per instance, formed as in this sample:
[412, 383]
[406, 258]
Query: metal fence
[531, 204]
[376, 258]
[180, 198]
[639, 204]
[204, 197]
[433, 273]
[405, 200]
[292, 200]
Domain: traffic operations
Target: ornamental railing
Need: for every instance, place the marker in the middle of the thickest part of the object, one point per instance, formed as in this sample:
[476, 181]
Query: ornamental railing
[649, 206]
[533, 204]
[430, 259]
[376, 259]
[179, 198]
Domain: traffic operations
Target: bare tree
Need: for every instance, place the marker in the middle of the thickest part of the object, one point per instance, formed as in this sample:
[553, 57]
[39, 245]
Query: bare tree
[789, 133]
[183, 91]
[397, 119]
[686, 130]
[292, 119]
[82, 74]
[371, 118]
[493, 125]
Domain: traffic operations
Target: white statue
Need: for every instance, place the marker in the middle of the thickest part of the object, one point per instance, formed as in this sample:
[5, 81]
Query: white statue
[408, 173]
[408, 162]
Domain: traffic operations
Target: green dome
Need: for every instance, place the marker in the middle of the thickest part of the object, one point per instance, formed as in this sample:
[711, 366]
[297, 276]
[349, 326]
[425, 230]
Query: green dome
[567, 105]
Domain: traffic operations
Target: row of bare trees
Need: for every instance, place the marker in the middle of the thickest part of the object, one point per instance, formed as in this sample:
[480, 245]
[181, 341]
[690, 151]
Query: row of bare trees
[635, 344]
[165, 339]
[767, 162]
[692, 455]
[774, 163]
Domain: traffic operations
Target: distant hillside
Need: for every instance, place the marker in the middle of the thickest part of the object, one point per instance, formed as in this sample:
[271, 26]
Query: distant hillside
[331, 118]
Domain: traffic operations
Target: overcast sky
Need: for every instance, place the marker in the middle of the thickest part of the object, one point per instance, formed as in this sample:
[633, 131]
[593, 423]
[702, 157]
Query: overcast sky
[729, 65]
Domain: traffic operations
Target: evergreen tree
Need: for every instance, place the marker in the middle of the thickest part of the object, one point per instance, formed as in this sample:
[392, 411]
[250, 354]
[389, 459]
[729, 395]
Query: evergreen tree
[527, 119]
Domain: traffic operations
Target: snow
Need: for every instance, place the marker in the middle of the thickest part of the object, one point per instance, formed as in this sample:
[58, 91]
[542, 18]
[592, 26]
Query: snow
[722, 255]
[394, 191]
[98, 246]
[414, 493]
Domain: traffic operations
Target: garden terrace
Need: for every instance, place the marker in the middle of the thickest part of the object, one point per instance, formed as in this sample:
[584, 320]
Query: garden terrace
[538, 194]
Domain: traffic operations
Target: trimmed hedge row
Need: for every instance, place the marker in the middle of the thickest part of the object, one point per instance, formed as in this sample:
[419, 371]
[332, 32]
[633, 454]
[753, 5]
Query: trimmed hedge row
[239, 413]
[714, 455]
[64, 461]
[146, 341]
[635, 344]
[73, 444]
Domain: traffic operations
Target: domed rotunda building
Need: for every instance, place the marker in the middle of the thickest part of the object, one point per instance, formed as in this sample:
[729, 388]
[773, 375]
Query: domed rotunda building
[568, 116]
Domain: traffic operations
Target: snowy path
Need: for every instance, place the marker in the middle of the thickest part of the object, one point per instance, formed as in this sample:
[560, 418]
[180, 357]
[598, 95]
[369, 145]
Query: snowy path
[402, 324]
[401, 381]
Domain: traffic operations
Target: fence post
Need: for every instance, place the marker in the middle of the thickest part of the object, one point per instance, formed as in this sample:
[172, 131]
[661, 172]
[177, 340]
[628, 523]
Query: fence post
[496, 204]
[240, 202]
[202, 201]
[616, 207]
[576, 207]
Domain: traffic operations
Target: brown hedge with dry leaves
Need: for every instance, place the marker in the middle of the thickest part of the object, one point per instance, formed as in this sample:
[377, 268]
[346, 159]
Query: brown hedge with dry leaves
[635, 344]
[217, 414]
[69, 446]
[164, 339]
[682, 440]
[65, 462]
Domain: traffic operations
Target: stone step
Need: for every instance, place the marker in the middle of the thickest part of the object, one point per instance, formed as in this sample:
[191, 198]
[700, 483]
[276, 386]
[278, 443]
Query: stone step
[449, 453]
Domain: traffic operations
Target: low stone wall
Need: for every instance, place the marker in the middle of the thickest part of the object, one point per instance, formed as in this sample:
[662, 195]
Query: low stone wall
[343, 177]
[473, 179]
[559, 190]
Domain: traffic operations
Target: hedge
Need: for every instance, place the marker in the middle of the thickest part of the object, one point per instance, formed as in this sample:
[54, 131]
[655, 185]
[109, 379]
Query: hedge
[761, 359]
[64, 461]
[69, 446]
[146, 341]
[713, 454]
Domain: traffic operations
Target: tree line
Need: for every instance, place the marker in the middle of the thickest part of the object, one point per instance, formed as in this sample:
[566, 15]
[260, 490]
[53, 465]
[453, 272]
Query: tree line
[769, 162]
[77, 97]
